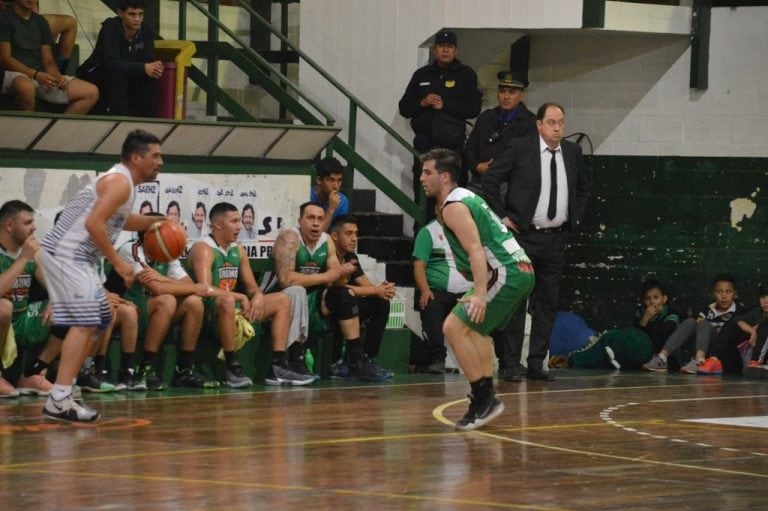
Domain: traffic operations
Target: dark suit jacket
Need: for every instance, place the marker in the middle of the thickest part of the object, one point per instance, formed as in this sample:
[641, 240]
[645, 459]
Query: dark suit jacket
[519, 167]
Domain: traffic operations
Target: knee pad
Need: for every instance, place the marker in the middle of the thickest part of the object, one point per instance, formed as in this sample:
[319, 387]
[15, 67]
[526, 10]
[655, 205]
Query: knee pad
[341, 302]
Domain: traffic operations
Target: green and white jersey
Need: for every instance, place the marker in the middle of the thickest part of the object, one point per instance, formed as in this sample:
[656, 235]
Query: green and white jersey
[225, 268]
[133, 253]
[499, 244]
[312, 261]
[431, 246]
[18, 294]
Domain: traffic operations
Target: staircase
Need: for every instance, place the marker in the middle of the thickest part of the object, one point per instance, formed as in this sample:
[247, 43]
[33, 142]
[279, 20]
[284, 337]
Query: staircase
[381, 238]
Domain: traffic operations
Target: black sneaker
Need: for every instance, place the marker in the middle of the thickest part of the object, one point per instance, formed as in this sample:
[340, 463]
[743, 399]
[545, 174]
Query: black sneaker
[480, 414]
[189, 377]
[148, 373]
[299, 366]
[90, 382]
[286, 376]
[130, 380]
[365, 370]
[235, 378]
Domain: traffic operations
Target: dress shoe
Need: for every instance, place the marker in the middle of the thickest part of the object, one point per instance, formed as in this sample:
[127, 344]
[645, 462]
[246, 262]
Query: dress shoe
[539, 375]
[436, 367]
[513, 373]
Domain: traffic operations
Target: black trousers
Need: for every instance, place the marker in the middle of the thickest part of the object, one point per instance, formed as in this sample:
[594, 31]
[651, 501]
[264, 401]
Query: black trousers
[725, 345]
[374, 313]
[547, 253]
[432, 318]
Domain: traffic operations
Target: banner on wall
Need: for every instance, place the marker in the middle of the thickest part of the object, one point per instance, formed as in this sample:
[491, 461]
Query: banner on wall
[267, 203]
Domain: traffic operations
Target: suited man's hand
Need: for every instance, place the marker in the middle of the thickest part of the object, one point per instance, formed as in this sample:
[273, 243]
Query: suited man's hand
[511, 225]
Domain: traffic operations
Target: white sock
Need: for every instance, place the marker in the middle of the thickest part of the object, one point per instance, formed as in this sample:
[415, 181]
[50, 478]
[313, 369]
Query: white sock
[663, 357]
[60, 392]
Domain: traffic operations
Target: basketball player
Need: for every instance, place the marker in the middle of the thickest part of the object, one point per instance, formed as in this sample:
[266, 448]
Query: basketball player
[501, 273]
[87, 229]
[219, 260]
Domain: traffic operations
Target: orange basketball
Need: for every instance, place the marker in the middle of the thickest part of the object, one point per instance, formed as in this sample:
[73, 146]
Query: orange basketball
[165, 241]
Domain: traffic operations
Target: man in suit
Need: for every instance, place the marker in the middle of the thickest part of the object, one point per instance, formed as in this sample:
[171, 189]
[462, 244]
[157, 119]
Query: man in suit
[541, 216]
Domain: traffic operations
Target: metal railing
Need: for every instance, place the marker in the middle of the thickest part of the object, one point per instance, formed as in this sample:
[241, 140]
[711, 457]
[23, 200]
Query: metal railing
[240, 57]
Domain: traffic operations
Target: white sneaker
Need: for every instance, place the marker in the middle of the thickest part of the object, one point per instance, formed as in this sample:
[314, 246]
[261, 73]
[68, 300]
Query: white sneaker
[69, 410]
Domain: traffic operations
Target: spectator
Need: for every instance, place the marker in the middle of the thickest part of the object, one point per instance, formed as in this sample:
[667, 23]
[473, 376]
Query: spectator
[123, 63]
[439, 285]
[306, 256]
[372, 299]
[654, 316]
[438, 100]
[752, 329]
[26, 54]
[329, 176]
[220, 261]
[709, 323]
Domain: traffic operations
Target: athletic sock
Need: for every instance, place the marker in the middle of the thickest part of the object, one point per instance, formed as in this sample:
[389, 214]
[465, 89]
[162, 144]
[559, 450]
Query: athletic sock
[280, 358]
[59, 392]
[185, 359]
[480, 389]
[663, 357]
[37, 367]
[126, 360]
[355, 349]
[148, 358]
[100, 363]
[229, 357]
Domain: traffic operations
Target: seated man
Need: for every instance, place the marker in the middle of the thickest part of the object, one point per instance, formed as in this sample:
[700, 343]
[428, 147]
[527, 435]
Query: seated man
[165, 294]
[329, 176]
[372, 299]
[123, 63]
[19, 250]
[26, 54]
[307, 257]
[220, 261]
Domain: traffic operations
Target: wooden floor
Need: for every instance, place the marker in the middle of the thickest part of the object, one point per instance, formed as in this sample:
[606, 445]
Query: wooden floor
[588, 441]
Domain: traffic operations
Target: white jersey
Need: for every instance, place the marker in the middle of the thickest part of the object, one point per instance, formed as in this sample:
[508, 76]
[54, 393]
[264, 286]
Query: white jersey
[70, 240]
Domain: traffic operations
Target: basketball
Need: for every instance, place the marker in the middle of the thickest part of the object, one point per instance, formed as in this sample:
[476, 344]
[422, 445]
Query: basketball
[165, 241]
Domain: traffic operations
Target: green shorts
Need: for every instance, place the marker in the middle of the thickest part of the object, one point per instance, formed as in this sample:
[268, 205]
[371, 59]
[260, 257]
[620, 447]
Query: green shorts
[29, 328]
[509, 287]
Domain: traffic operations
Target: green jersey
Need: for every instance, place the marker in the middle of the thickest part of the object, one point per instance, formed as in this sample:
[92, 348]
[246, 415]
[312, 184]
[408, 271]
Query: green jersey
[431, 247]
[312, 261]
[18, 294]
[500, 246]
[225, 268]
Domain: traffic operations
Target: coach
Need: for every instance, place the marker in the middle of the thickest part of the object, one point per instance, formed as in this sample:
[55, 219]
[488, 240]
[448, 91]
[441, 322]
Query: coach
[547, 191]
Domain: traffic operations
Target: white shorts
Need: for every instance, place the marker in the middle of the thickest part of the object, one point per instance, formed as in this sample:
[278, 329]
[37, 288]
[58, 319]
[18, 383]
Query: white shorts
[54, 95]
[76, 294]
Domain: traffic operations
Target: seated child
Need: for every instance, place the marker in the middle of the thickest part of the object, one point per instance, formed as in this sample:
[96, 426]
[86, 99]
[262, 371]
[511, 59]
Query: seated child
[703, 328]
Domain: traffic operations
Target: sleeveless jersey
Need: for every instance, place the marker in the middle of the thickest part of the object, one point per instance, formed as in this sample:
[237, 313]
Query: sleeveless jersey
[69, 238]
[431, 246]
[225, 268]
[499, 244]
[312, 261]
[18, 294]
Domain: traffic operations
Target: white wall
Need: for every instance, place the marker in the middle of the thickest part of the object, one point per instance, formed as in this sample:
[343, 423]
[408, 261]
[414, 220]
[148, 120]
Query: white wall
[628, 91]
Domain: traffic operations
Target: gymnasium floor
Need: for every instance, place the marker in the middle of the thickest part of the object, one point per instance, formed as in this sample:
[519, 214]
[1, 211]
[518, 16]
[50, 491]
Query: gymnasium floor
[591, 440]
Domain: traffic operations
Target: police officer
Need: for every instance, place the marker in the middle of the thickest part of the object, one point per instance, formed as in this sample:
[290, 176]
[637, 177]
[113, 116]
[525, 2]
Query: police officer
[497, 126]
[439, 99]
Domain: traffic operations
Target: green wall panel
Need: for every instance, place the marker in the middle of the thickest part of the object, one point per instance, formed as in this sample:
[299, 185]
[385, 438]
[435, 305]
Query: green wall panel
[668, 217]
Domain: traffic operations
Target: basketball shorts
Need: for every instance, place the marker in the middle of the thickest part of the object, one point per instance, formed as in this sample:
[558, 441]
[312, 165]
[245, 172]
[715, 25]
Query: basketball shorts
[509, 286]
[76, 294]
